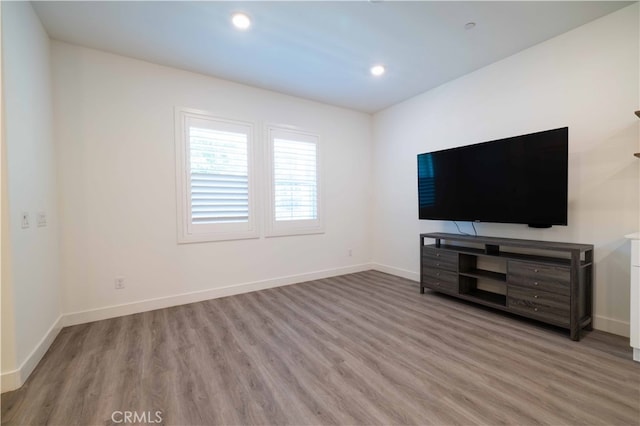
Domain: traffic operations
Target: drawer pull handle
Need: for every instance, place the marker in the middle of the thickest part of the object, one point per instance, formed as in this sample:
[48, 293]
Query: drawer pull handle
[437, 264]
[535, 283]
[535, 309]
[437, 283]
[535, 270]
[535, 296]
[437, 254]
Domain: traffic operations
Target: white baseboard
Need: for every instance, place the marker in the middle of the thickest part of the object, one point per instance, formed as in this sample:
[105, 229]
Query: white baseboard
[611, 325]
[404, 273]
[12, 380]
[198, 296]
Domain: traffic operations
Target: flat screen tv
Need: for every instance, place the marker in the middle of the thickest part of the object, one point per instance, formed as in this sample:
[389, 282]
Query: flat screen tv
[522, 179]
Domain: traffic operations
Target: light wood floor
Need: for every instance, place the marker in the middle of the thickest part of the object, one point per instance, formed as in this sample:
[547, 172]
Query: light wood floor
[365, 348]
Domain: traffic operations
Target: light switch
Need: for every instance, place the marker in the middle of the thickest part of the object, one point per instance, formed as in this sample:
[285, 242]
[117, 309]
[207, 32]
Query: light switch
[42, 219]
[25, 220]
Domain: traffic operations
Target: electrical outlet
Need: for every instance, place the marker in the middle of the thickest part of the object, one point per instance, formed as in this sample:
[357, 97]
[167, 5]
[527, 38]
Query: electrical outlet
[119, 283]
[350, 252]
[25, 220]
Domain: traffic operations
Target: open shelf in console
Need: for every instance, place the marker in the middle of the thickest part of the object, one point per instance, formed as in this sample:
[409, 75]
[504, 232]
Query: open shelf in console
[487, 275]
[492, 292]
[508, 255]
[482, 279]
[485, 297]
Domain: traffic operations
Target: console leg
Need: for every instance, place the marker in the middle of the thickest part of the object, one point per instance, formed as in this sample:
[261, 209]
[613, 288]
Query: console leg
[421, 289]
[575, 334]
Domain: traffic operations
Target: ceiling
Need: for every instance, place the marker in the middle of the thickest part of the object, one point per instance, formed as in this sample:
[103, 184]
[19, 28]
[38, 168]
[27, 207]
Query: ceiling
[321, 50]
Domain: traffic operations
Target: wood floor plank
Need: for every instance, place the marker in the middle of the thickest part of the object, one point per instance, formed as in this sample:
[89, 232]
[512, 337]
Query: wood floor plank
[363, 348]
[297, 352]
[452, 376]
[320, 345]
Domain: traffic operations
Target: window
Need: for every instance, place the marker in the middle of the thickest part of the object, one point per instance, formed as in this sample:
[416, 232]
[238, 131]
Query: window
[214, 175]
[294, 182]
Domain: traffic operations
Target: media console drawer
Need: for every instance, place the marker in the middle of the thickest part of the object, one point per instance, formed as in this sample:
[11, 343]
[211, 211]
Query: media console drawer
[439, 259]
[447, 282]
[439, 274]
[539, 304]
[551, 278]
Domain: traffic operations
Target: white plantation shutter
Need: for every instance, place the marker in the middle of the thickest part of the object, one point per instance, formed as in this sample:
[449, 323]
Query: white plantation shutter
[295, 180]
[294, 192]
[213, 158]
[219, 176]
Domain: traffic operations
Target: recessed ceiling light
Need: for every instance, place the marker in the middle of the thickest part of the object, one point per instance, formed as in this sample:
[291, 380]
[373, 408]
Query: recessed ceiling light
[377, 70]
[469, 25]
[241, 21]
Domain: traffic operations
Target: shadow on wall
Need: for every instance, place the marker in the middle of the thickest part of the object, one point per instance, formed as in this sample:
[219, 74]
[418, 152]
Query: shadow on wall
[612, 271]
[605, 174]
[604, 189]
[605, 199]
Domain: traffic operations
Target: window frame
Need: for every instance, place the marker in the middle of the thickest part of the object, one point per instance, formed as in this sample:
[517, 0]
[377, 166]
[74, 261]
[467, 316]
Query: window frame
[274, 228]
[187, 231]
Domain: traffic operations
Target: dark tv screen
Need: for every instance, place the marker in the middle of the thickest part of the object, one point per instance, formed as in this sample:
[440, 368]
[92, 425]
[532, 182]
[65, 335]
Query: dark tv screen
[521, 179]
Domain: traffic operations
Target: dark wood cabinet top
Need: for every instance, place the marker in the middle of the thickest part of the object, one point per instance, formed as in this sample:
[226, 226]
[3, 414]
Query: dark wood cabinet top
[510, 242]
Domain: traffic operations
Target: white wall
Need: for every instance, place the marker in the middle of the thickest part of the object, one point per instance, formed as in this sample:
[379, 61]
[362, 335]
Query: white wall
[115, 133]
[586, 79]
[30, 257]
